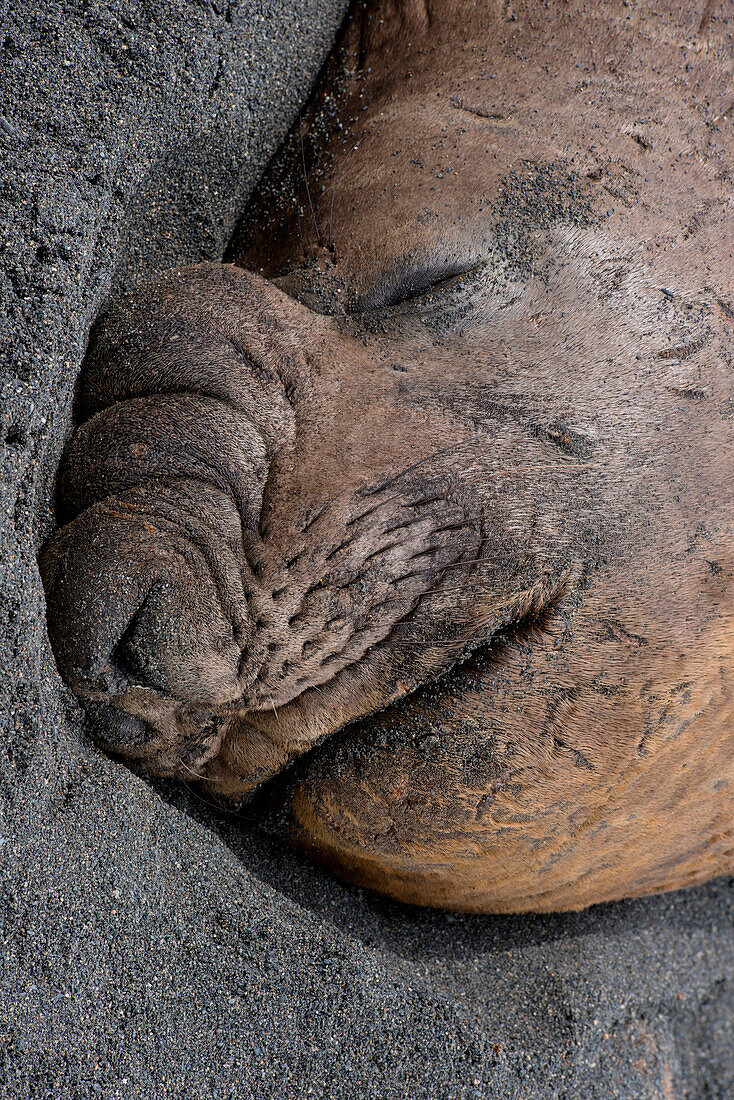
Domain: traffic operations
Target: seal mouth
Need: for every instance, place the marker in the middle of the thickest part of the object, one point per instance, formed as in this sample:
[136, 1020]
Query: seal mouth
[273, 777]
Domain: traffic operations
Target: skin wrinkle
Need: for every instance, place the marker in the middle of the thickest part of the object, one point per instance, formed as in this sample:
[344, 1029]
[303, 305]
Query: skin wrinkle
[210, 554]
[488, 423]
[257, 369]
[210, 558]
[223, 478]
[357, 580]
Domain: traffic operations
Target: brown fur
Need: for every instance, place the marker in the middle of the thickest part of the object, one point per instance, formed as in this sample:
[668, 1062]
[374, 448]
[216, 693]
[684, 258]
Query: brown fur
[451, 461]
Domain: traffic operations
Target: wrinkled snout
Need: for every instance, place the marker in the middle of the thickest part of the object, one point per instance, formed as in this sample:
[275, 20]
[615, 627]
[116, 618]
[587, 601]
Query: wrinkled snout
[235, 536]
[148, 582]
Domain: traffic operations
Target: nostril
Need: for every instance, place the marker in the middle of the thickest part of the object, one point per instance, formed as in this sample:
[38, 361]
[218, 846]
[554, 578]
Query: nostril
[128, 672]
[116, 729]
[125, 667]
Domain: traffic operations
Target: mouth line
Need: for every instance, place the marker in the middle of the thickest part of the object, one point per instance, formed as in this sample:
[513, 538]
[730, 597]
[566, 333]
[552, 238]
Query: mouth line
[267, 803]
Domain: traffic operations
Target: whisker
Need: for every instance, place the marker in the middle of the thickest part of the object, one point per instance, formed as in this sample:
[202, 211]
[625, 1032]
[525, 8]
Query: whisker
[569, 466]
[371, 490]
[210, 803]
[333, 194]
[426, 643]
[308, 189]
[484, 560]
[197, 775]
[468, 587]
[300, 230]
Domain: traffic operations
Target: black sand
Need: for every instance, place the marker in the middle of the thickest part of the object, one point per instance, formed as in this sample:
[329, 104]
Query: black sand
[150, 948]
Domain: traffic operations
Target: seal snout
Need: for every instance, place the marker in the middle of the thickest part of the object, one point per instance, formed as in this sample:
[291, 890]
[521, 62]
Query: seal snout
[143, 592]
[209, 569]
[148, 583]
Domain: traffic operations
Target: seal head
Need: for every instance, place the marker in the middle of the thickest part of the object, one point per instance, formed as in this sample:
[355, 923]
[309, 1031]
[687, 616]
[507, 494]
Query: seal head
[417, 518]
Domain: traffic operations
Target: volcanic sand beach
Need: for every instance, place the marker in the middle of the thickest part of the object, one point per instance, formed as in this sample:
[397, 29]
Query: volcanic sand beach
[153, 947]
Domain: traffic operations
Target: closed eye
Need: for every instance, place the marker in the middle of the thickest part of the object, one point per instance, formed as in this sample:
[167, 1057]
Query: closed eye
[411, 281]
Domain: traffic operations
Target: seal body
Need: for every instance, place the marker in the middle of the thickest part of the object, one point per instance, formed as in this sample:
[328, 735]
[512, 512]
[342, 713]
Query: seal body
[416, 521]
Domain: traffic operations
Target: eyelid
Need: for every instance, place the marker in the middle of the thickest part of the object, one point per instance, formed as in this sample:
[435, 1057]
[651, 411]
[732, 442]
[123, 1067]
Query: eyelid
[412, 281]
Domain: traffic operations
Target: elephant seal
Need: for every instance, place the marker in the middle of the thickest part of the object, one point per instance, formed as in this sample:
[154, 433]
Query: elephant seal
[416, 519]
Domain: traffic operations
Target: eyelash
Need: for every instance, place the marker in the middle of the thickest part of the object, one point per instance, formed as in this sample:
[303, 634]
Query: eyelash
[412, 297]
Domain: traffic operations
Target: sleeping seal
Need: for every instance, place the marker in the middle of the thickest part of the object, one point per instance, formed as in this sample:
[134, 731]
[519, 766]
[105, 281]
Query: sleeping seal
[418, 517]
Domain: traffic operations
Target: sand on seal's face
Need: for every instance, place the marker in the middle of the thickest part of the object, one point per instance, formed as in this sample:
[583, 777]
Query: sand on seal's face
[451, 461]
